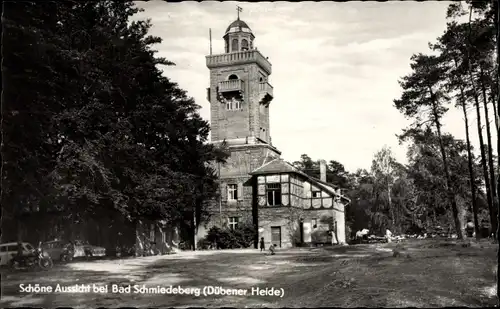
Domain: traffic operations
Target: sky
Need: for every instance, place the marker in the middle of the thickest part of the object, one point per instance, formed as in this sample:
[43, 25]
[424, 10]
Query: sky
[336, 67]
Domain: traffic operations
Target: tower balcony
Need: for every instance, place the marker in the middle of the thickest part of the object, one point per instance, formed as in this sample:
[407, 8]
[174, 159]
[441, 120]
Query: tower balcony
[241, 57]
[266, 93]
[234, 85]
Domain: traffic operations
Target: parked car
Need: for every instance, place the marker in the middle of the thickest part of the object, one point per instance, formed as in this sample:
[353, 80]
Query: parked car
[84, 249]
[58, 250]
[8, 250]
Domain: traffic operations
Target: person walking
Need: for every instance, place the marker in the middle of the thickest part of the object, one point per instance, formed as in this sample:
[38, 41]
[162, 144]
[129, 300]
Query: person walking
[262, 244]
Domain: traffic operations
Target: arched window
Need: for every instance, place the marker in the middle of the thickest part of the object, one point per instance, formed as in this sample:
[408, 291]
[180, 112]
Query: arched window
[233, 76]
[226, 45]
[261, 80]
[244, 45]
[234, 45]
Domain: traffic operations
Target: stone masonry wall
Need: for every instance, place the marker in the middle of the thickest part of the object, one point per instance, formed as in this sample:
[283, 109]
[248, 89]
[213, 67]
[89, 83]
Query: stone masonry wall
[243, 160]
[238, 123]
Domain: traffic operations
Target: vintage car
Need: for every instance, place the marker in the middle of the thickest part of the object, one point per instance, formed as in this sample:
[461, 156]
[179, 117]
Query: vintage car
[8, 250]
[84, 249]
[58, 250]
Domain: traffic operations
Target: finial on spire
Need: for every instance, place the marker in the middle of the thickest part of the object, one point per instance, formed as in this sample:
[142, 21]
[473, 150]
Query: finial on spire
[239, 10]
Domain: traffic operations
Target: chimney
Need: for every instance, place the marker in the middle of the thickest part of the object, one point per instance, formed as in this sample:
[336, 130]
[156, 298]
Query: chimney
[322, 170]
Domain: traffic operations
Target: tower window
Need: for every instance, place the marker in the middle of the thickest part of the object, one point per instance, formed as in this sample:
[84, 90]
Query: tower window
[232, 77]
[244, 45]
[233, 104]
[234, 45]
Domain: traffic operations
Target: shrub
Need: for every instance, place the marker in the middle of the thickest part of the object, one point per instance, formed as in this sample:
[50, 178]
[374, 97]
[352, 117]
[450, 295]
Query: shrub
[203, 244]
[319, 236]
[241, 237]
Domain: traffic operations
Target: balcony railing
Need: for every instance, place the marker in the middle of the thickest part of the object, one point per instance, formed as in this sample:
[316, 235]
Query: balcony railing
[231, 85]
[266, 88]
[248, 56]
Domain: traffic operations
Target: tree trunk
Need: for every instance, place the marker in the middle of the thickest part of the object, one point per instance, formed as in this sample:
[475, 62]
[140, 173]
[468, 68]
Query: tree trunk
[194, 230]
[475, 94]
[495, 111]
[390, 205]
[496, 9]
[471, 169]
[449, 190]
[491, 166]
[469, 158]
[483, 157]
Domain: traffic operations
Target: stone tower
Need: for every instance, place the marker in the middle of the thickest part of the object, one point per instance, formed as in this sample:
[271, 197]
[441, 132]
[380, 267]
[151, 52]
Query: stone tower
[239, 91]
[239, 96]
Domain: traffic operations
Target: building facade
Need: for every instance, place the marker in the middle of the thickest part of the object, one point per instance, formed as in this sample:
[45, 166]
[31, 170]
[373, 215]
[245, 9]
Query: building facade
[257, 187]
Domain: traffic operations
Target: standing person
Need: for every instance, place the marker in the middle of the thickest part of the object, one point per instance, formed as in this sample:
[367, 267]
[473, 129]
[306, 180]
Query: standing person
[485, 229]
[20, 252]
[262, 244]
[20, 256]
[469, 228]
[388, 235]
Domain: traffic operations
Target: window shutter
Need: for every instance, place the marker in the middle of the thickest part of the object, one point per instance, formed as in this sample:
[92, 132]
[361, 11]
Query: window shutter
[240, 191]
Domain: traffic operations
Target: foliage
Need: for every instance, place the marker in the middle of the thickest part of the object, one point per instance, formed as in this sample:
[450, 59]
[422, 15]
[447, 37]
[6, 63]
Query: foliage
[243, 236]
[335, 171]
[101, 127]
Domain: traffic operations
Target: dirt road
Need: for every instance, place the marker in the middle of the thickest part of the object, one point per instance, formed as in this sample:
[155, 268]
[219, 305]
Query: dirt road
[364, 275]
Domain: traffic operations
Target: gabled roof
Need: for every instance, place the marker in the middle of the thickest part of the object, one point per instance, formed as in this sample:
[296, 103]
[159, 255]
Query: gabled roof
[279, 165]
[276, 166]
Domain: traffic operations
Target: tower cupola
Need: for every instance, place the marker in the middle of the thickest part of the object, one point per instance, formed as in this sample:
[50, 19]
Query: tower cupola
[238, 37]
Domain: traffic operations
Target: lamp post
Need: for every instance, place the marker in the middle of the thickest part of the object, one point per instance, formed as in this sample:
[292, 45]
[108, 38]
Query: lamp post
[220, 196]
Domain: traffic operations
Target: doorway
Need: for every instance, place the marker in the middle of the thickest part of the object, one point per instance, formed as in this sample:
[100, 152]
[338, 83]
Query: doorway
[276, 235]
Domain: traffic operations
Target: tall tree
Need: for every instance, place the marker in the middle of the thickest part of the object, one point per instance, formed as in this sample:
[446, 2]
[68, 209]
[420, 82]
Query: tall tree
[383, 166]
[428, 176]
[450, 45]
[29, 141]
[116, 133]
[423, 93]
[480, 50]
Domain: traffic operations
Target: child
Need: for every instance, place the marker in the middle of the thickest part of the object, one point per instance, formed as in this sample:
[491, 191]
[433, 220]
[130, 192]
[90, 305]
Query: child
[262, 245]
[272, 248]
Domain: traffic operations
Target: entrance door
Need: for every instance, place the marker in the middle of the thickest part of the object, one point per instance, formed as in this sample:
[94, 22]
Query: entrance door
[307, 230]
[276, 235]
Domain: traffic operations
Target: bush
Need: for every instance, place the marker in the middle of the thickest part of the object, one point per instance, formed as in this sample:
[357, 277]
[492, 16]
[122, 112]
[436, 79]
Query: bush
[241, 237]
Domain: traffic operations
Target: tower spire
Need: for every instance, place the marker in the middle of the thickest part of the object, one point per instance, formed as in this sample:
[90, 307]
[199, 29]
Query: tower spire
[239, 9]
